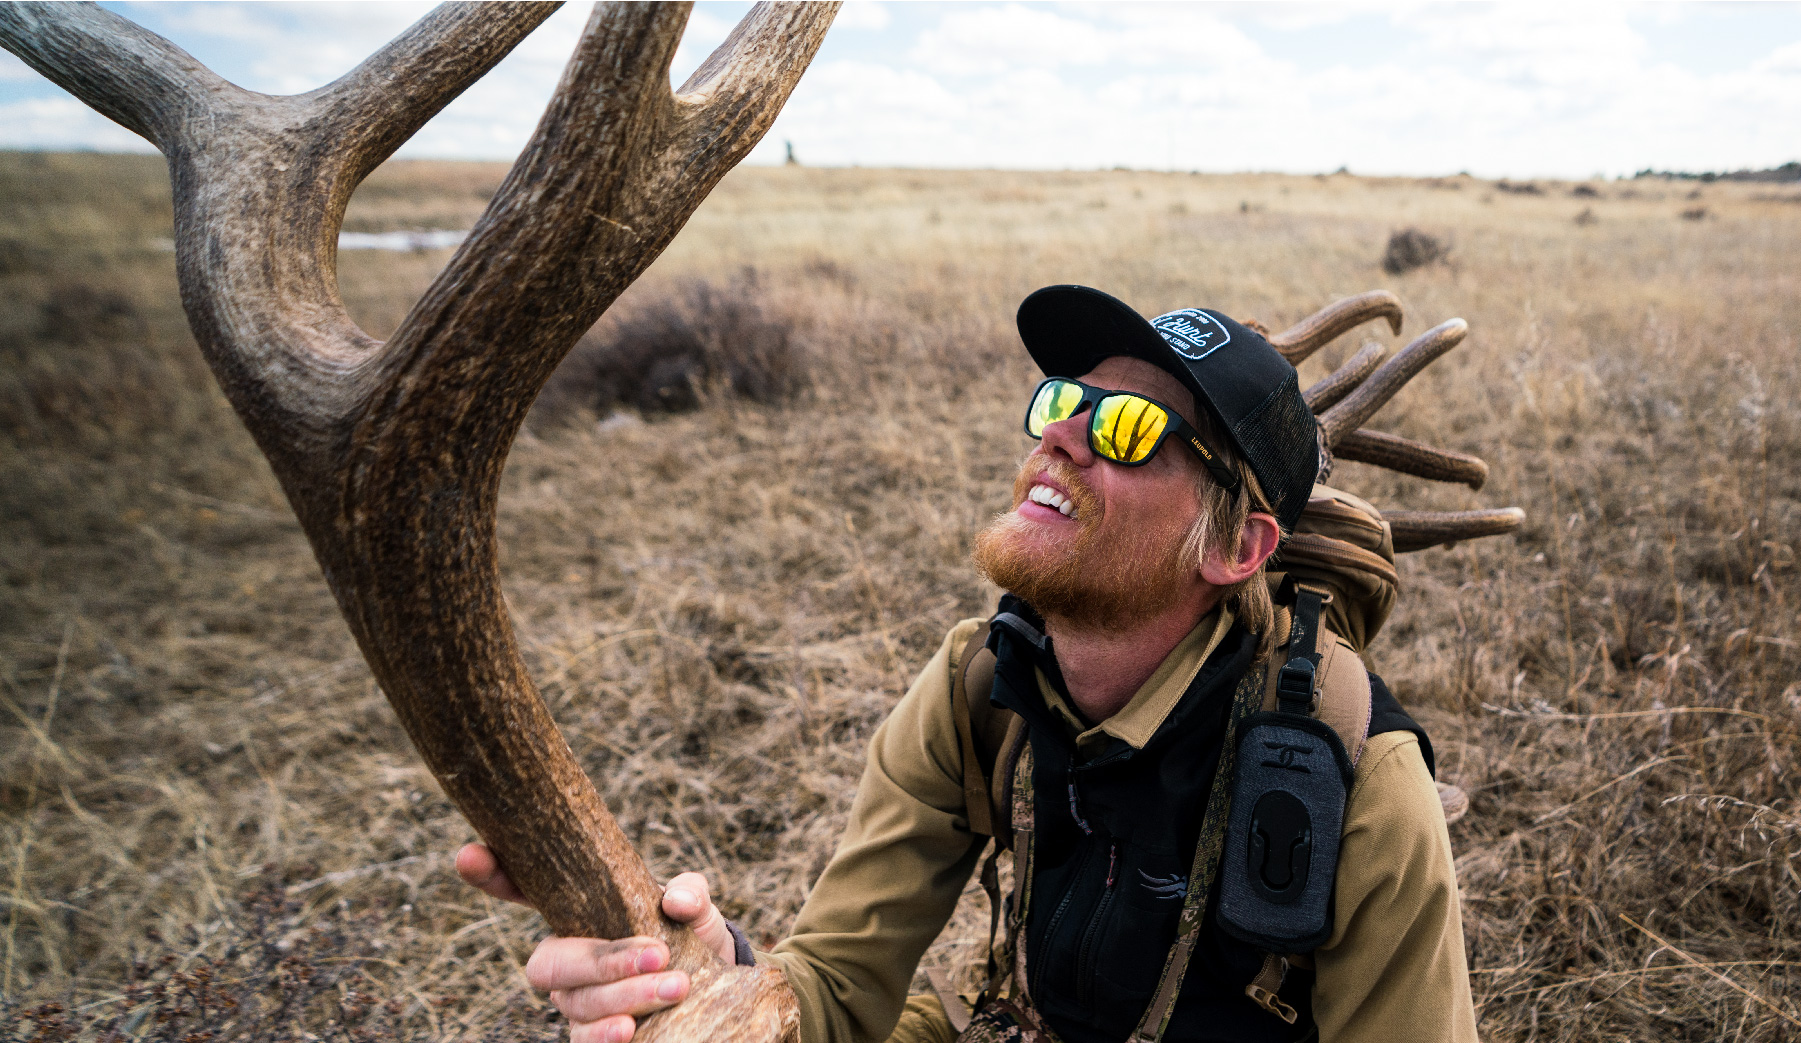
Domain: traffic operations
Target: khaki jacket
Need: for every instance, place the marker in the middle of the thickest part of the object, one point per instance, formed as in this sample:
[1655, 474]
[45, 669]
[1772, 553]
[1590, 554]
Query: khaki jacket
[1393, 968]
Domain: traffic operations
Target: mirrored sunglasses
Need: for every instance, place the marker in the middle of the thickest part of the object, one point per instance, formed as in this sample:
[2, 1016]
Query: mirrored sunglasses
[1123, 427]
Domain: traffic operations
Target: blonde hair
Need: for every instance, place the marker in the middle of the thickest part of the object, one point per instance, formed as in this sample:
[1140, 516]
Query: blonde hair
[1219, 529]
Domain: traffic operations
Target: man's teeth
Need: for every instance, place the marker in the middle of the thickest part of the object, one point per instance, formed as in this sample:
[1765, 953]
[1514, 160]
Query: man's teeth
[1051, 498]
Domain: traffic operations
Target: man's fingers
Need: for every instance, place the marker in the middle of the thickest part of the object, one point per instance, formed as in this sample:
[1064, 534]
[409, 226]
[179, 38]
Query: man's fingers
[575, 963]
[479, 868]
[687, 898]
[606, 1030]
[635, 996]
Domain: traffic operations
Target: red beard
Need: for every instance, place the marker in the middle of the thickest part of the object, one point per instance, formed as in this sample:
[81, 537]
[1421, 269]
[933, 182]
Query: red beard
[1107, 574]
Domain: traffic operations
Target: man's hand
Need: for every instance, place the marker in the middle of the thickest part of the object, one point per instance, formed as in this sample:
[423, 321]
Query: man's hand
[600, 985]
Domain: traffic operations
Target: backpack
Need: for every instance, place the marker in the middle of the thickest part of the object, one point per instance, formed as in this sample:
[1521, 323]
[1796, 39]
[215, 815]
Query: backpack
[1341, 553]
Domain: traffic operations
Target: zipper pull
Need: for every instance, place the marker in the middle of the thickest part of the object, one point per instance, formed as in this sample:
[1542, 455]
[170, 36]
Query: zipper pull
[1112, 864]
[1075, 812]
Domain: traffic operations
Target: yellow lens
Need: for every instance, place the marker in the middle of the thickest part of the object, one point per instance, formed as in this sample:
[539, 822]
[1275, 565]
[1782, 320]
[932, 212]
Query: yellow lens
[1057, 400]
[1126, 427]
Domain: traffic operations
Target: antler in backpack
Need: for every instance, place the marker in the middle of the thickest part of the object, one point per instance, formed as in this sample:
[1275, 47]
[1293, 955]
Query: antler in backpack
[1344, 380]
[1417, 530]
[1350, 395]
[1315, 331]
[1375, 391]
[1409, 457]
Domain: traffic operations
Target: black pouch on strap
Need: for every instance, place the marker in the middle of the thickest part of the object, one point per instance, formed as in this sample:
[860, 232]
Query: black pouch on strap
[1288, 799]
[1281, 856]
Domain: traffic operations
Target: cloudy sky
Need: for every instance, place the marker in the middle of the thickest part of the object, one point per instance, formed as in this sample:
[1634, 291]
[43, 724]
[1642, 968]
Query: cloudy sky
[1517, 90]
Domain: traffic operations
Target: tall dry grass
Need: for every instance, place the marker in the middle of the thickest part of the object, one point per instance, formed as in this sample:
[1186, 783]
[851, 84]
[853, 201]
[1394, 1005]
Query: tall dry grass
[206, 800]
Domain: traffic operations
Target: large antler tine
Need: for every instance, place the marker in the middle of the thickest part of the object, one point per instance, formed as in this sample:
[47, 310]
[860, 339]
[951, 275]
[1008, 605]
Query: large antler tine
[1417, 530]
[1319, 329]
[771, 45]
[1409, 457]
[1343, 380]
[1361, 404]
[429, 64]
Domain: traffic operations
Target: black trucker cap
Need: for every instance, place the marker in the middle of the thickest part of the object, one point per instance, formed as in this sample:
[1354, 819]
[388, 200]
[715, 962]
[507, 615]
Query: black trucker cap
[1252, 391]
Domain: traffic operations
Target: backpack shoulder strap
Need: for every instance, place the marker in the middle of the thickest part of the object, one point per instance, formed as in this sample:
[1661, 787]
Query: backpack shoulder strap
[1344, 693]
[983, 731]
[1343, 685]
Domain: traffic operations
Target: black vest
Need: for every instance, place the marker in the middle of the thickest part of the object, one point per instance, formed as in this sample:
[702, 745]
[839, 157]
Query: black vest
[1116, 833]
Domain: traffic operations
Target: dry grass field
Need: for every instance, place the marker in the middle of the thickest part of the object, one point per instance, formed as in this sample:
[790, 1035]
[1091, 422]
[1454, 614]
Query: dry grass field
[210, 821]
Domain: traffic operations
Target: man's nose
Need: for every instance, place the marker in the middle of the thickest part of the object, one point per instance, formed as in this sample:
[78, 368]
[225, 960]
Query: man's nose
[1069, 439]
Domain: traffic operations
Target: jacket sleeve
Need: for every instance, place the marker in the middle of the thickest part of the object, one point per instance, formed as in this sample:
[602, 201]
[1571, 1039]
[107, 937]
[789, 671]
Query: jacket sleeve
[897, 875]
[1394, 967]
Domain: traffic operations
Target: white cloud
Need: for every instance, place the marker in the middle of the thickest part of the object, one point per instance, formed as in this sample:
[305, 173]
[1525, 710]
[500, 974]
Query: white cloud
[63, 123]
[12, 70]
[1783, 60]
[1405, 87]
[860, 15]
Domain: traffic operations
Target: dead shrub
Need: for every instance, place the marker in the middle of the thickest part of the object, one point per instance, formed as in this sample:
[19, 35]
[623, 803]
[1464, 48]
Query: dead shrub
[1586, 192]
[1695, 213]
[1411, 248]
[1519, 188]
[1587, 216]
[673, 353]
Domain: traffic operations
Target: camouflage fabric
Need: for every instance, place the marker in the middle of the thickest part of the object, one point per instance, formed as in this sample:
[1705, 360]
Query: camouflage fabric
[1001, 1021]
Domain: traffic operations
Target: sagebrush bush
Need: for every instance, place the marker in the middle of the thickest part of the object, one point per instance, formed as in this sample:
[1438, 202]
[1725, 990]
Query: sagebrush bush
[1411, 248]
[669, 353]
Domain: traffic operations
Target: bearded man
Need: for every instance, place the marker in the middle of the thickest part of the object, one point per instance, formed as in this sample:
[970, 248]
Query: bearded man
[1173, 458]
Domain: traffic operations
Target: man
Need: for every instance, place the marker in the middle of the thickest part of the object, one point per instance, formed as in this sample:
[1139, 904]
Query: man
[1173, 457]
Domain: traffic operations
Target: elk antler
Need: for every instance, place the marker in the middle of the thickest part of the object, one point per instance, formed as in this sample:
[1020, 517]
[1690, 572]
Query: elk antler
[1417, 530]
[1375, 391]
[1301, 340]
[1345, 399]
[391, 454]
[1343, 380]
[1410, 457]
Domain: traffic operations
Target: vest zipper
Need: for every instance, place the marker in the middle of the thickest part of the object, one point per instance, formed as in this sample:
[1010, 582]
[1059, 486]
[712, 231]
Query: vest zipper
[1035, 972]
[1085, 954]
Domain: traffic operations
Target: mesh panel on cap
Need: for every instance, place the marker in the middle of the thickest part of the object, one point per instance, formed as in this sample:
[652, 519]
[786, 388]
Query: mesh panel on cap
[1278, 441]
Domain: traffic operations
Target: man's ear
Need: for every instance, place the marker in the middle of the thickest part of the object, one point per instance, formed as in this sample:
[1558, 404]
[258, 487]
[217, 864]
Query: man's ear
[1258, 542]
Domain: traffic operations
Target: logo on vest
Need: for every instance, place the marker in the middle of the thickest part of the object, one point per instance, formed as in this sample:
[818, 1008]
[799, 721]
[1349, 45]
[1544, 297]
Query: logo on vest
[1285, 757]
[1164, 886]
[1192, 332]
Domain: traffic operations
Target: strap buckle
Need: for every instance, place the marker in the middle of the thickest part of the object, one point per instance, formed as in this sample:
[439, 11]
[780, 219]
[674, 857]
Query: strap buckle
[1262, 989]
[1295, 686]
[1297, 683]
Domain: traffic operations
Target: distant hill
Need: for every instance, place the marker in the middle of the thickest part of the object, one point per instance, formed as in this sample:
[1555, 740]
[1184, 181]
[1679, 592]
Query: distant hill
[1790, 171]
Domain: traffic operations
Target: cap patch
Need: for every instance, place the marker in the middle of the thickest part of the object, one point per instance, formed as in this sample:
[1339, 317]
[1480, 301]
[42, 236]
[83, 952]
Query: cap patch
[1193, 333]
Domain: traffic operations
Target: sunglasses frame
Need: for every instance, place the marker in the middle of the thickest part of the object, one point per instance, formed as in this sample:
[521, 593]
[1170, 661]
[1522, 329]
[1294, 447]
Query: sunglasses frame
[1092, 397]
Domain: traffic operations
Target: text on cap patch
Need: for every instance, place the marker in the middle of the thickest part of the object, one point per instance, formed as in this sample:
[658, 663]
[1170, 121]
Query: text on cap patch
[1192, 332]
